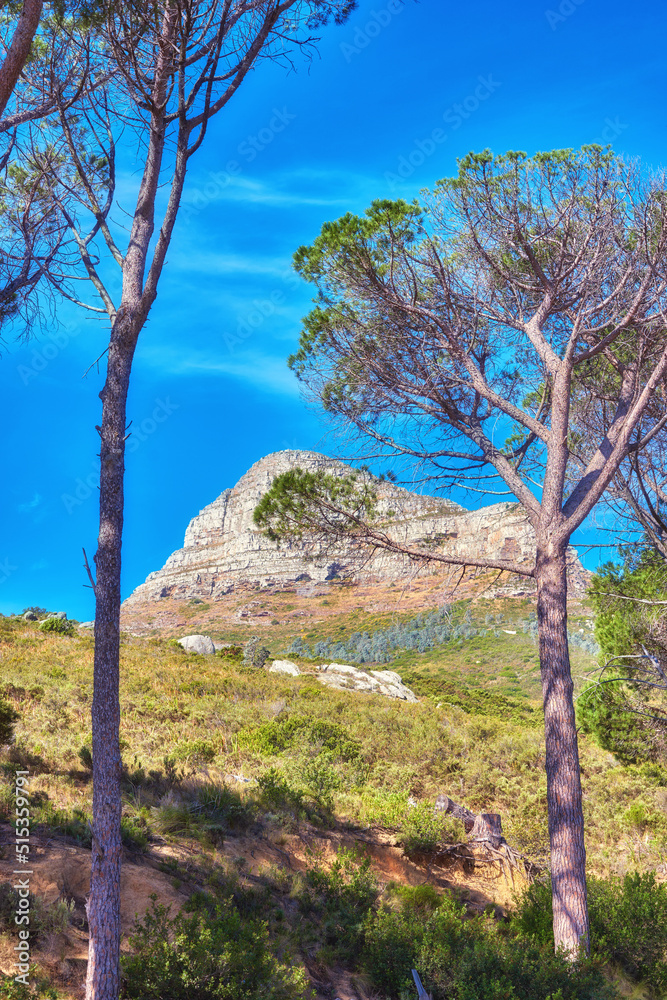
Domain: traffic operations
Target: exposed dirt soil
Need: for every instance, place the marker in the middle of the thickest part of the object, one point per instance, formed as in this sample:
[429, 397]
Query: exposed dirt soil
[292, 606]
[61, 871]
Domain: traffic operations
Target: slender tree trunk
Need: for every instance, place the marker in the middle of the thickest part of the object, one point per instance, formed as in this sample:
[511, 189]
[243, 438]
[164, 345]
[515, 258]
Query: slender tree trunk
[103, 978]
[19, 50]
[564, 801]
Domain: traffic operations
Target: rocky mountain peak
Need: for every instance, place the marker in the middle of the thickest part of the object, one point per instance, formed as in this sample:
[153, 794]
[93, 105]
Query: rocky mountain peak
[223, 547]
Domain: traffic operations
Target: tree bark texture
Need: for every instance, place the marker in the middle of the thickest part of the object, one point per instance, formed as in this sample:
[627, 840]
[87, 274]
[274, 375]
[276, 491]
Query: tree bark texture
[103, 975]
[19, 50]
[564, 800]
[487, 829]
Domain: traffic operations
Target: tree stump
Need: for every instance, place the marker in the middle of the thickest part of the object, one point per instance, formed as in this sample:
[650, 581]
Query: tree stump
[487, 829]
[444, 804]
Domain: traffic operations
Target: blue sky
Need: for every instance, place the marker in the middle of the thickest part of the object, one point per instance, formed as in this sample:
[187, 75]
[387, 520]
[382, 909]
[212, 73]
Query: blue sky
[211, 392]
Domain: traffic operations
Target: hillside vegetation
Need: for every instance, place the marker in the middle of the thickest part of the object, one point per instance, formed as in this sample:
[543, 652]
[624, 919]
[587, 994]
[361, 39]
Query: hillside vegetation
[281, 809]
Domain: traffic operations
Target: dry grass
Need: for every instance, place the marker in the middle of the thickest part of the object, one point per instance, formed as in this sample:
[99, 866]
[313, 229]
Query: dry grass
[190, 722]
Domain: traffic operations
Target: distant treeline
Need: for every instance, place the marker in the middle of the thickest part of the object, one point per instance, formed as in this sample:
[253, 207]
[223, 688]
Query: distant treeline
[422, 633]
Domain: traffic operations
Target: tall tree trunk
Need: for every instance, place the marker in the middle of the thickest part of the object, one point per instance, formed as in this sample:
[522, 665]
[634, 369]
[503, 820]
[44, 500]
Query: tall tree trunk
[19, 50]
[103, 976]
[564, 801]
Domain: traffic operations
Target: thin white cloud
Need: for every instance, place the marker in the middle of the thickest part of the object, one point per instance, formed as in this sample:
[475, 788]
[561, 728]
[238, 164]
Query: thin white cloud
[270, 374]
[286, 190]
[211, 262]
[29, 505]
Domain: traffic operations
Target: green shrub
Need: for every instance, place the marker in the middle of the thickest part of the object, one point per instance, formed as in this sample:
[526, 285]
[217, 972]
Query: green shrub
[603, 711]
[232, 653]
[85, 755]
[58, 625]
[279, 735]
[8, 719]
[319, 777]
[206, 814]
[133, 833]
[628, 924]
[342, 896]
[277, 793]
[470, 959]
[478, 701]
[195, 752]
[206, 952]
[221, 805]
[45, 918]
[40, 988]
[424, 829]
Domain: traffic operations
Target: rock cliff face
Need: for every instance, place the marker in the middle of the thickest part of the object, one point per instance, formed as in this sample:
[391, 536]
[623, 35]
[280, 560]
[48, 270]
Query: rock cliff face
[223, 548]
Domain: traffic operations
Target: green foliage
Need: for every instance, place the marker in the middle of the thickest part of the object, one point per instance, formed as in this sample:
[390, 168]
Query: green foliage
[423, 829]
[468, 959]
[45, 918]
[234, 654]
[422, 633]
[277, 793]
[195, 752]
[622, 626]
[625, 716]
[40, 988]
[206, 813]
[628, 919]
[207, 952]
[342, 897]
[59, 626]
[8, 719]
[295, 731]
[301, 502]
[602, 710]
[479, 701]
[85, 755]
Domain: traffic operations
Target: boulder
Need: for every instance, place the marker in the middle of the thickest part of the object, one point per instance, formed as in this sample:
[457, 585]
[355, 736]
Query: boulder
[30, 616]
[385, 682]
[284, 667]
[197, 644]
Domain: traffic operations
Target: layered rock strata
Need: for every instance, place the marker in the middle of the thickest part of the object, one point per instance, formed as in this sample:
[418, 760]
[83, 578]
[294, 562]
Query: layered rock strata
[224, 548]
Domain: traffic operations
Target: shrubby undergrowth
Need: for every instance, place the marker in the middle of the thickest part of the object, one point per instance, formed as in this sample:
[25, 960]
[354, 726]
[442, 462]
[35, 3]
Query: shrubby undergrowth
[628, 918]
[209, 951]
[462, 958]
